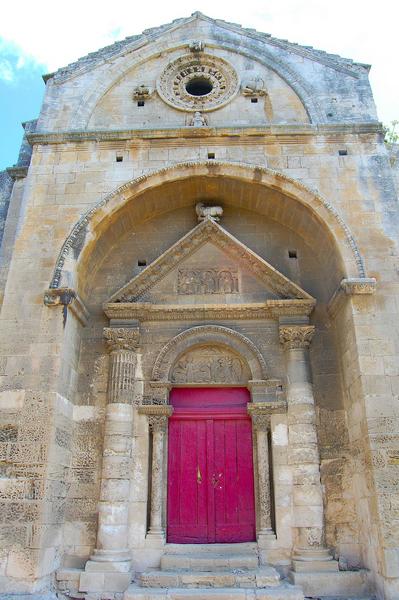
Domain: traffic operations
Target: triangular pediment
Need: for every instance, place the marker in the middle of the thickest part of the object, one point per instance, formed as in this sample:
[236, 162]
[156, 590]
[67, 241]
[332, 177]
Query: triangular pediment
[136, 42]
[208, 265]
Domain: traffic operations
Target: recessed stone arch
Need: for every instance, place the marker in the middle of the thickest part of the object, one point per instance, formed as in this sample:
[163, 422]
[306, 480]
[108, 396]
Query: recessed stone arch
[91, 225]
[215, 335]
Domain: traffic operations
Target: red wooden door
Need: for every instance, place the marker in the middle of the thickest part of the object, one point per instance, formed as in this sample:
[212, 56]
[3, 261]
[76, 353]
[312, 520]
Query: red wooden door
[210, 469]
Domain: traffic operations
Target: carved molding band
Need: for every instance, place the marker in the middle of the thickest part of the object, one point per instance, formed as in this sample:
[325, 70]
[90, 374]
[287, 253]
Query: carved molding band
[121, 338]
[296, 336]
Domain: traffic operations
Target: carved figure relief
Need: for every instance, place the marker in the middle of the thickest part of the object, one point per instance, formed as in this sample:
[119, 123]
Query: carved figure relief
[207, 281]
[209, 365]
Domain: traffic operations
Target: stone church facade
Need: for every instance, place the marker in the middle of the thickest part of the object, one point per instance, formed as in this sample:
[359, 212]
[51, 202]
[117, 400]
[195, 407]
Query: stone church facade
[199, 327]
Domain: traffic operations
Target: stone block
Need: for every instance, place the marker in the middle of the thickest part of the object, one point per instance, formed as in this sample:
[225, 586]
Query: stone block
[341, 584]
[91, 582]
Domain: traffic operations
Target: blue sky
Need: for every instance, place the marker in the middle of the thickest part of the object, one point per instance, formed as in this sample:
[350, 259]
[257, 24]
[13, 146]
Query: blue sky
[39, 37]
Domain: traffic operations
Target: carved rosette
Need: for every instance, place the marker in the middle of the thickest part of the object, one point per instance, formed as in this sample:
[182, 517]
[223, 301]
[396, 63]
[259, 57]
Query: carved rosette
[296, 336]
[123, 343]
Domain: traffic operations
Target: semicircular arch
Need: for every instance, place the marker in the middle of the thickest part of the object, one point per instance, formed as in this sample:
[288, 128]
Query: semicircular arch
[90, 226]
[208, 335]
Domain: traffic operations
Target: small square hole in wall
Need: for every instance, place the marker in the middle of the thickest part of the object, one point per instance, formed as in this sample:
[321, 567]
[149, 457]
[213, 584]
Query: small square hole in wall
[292, 254]
[142, 262]
[343, 152]
[119, 159]
[211, 155]
[254, 100]
[140, 103]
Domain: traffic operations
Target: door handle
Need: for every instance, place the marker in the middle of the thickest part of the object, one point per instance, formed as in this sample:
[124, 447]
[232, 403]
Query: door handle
[199, 476]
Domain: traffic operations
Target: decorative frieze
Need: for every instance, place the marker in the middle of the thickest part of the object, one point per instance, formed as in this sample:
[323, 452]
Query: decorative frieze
[207, 281]
[296, 336]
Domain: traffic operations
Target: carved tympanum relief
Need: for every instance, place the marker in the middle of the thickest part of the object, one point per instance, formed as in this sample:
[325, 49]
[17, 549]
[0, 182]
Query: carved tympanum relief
[210, 364]
[207, 281]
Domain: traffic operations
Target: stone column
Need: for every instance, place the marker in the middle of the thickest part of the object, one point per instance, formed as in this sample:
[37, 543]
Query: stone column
[308, 518]
[112, 553]
[261, 425]
[158, 423]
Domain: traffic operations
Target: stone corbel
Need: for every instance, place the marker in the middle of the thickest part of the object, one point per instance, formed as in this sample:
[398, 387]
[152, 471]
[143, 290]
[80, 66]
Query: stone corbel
[196, 46]
[265, 390]
[69, 299]
[350, 287]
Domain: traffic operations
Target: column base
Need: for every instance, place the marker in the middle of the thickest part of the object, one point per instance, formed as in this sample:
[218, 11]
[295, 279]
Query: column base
[266, 538]
[156, 537]
[107, 571]
[313, 560]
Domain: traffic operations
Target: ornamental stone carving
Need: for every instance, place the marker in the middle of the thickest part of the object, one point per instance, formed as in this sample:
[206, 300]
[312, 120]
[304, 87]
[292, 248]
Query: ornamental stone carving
[121, 338]
[158, 423]
[198, 82]
[197, 46]
[209, 365]
[296, 336]
[254, 87]
[207, 281]
[142, 92]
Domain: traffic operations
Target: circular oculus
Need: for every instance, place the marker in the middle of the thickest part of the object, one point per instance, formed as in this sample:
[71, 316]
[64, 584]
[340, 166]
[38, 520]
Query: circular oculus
[198, 83]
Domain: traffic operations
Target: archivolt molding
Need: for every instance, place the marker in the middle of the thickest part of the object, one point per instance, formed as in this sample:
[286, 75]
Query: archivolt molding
[310, 198]
[209, 335]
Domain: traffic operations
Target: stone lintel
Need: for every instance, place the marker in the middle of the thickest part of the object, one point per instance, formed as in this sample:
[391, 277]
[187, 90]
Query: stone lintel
[354, 286]
[144, 311]
[69, 299]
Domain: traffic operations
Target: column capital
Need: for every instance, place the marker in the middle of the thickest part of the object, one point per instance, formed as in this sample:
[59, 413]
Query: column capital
[158, 423]
[121, 338]
[261, 412]
[296, 336]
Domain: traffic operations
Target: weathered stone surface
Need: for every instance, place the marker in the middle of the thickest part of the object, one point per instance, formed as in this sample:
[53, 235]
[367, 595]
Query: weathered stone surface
[287, 286]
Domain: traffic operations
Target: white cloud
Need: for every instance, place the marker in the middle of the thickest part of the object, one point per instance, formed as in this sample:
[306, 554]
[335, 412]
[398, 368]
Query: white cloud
[6, 71]
[54, 33]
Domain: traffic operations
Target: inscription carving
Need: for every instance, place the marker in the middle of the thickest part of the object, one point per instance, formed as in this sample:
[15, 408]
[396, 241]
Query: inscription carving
[207, 281]
[209, 365]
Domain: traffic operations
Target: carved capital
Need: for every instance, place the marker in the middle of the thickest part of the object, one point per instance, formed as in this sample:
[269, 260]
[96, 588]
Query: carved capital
[158, 423]
[260, 422]
[296, 336]
[121, 338]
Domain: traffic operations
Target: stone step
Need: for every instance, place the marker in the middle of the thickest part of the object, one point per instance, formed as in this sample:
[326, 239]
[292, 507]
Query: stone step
[341, 584]
[261, 577]
[210, 561]
[240, 548]
[284, 591]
